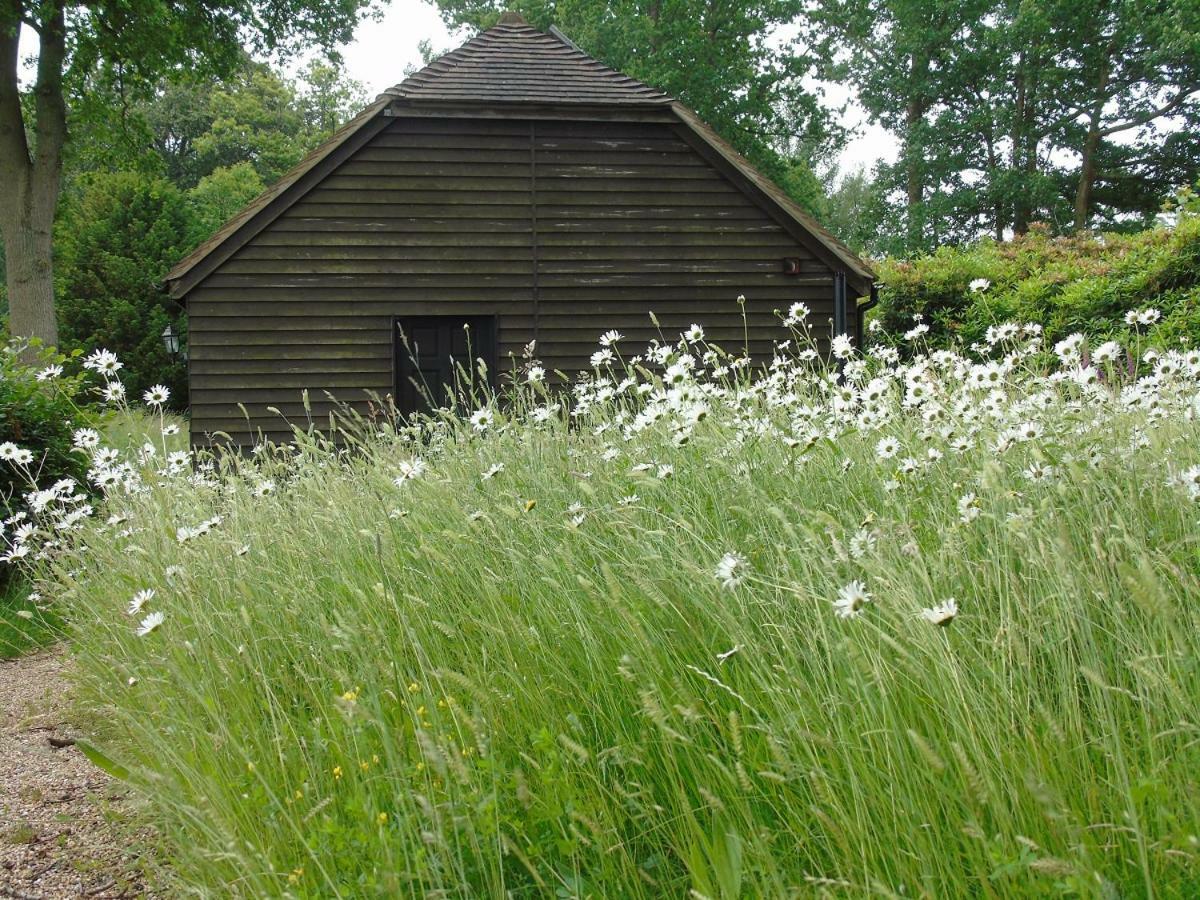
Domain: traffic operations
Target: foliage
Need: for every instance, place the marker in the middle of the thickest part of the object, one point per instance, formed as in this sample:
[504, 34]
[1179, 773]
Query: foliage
[1074, 112]
[89, 50]
[38, 412]
[118, 237]
[672, 634]
[220, 196]
[728, 62]
[1081, 283]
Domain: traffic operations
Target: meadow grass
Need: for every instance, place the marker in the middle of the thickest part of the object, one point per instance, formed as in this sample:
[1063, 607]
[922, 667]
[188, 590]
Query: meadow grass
[618, 666]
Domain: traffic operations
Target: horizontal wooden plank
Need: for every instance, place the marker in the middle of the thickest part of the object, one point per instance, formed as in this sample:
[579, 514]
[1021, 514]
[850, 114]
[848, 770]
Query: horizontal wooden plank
[443, 202]
[481, 156]
[514, 206]
[633, 266]
[367, 219]
[272, 330]
[349, 283]
[355, 240]
[456, 270]
[464, 252]
[310, 367]
[399, 184]
[442, 141]
[404, 128]
[294, 382]
[313, 355]
[268, 300]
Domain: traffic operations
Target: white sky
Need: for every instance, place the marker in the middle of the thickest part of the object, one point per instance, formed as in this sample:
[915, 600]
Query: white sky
[383, 50]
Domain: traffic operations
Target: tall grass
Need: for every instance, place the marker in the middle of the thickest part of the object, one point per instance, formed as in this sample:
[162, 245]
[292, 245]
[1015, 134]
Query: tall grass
[374, 680]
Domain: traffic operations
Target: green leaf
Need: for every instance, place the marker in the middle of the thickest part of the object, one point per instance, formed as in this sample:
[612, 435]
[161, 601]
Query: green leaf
[102, 762]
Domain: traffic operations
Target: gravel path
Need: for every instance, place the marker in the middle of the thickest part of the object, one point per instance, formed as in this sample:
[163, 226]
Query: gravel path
[57, 837]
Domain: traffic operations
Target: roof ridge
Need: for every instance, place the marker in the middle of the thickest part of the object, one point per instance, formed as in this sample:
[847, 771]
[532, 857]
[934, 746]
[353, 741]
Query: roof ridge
[514, 62]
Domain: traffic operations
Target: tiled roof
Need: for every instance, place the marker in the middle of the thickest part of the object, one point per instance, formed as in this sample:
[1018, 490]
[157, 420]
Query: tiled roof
[515, 63]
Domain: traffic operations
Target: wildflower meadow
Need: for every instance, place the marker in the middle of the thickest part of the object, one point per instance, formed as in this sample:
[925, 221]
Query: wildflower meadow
[902, 623]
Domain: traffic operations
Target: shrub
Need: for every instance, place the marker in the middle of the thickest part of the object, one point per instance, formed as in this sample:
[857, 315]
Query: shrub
[1067, 284]
[119, 237]
[40, 406]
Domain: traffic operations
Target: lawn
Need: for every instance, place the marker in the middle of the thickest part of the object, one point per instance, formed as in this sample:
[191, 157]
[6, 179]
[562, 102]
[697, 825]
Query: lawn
[927, 627]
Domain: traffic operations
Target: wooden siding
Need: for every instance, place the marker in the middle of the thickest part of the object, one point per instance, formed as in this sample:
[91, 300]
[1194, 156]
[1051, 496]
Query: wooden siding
[560, 229]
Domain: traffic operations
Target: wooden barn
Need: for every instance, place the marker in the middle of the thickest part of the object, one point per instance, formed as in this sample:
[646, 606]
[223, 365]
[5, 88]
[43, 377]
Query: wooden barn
[518, 186]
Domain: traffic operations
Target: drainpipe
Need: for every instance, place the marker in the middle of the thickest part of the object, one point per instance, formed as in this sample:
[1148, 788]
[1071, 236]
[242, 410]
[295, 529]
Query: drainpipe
[860, 320]
[839, 303]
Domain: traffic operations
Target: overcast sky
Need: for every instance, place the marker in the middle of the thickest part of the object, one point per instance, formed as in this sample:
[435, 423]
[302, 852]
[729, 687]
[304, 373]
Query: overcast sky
[383, 50]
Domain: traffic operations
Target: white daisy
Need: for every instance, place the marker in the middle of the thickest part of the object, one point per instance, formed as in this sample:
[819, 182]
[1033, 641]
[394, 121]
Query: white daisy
[942, 614]
[610, 337]
[140, 599]
[156, 395]
[731, 570]
[150, 623]
[851, 599]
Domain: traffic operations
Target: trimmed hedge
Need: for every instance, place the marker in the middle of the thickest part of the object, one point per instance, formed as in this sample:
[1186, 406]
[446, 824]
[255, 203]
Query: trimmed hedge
[1079, 283]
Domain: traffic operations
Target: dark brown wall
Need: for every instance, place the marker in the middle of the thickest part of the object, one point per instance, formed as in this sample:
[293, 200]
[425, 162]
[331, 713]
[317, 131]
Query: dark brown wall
[447, 216]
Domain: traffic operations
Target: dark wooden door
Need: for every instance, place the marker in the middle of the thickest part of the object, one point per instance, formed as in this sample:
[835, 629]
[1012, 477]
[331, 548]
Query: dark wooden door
[436, 355]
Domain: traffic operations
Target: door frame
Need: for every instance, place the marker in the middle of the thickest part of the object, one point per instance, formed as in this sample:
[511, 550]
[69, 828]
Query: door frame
[484, 343]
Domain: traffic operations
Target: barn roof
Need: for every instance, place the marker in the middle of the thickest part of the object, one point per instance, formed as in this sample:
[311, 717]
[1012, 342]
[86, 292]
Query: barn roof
[515, 63]
[511, 66]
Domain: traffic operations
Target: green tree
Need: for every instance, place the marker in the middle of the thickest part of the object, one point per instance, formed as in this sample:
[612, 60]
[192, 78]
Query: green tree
[1011, 111]
[120, 234]
[119, 43]
[727, 61]
[327, 98]
[220, 195]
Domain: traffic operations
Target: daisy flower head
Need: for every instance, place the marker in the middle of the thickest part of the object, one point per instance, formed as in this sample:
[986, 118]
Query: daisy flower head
[535, 375]
[49, 373]
[611, 337]
[842, 347]
[887, 448]
[140, 599]
[602, 357]
[482, 419]
[694, 334]
[157, 395]
[410, 469]
[731, 570]
[150, 623]
[979, 284]
[796, 314]
[103, 361]
[942, 614]
[851, 599]
[114, 392]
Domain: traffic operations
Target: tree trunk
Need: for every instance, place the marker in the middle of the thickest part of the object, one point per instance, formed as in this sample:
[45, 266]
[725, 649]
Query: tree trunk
[1087, 177]
[31, 175]
[27, 256]
[1091, 143]
[1020, 209]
